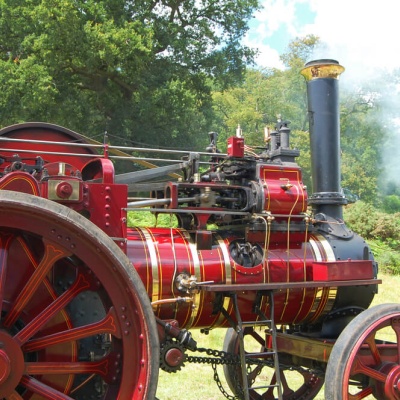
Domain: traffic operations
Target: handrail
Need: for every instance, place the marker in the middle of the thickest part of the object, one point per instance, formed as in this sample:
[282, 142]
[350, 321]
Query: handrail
[110, 147]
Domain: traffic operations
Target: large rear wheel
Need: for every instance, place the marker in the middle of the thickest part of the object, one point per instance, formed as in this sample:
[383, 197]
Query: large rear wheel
[76, 322]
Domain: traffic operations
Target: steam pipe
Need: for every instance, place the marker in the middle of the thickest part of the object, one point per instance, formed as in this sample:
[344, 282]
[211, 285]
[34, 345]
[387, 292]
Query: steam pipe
[323, 111]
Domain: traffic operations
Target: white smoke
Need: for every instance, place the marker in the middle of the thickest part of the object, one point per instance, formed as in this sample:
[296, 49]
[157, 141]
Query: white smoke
[391, 147]
[361, 34]
[363, 72]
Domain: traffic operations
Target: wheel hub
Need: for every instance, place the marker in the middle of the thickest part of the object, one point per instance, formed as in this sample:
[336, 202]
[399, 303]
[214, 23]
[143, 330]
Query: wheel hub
[5, 366]
[11, 364]
[392, 385]
[390, 389]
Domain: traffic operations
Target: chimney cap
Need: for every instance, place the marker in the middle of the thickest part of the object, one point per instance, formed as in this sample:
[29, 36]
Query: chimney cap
[323, 68]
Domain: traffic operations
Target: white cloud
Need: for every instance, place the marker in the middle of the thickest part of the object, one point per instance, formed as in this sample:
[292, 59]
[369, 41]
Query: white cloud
[268, 57]
[360, 34]
[363, 35]
[274, 14]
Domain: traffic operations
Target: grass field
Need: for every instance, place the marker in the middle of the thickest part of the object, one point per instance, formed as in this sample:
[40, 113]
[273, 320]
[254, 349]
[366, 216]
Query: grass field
[196, 381]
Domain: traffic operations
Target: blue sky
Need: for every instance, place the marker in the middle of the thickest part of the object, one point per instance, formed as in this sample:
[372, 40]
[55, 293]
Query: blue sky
[279, 20]
[363, 35]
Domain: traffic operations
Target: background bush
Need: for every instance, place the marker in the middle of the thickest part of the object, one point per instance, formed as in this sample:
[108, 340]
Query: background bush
[380, 229]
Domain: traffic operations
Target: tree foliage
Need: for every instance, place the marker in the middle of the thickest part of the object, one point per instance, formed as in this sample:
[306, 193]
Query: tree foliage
[370, 139]
[360, 139]
[365, 126]
[380, 229]
[139, 69]
[266, 95]
[165, 72]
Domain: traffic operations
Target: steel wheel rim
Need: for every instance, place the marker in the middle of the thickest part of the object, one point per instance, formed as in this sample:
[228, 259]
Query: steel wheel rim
[384, 374]
[365, 359]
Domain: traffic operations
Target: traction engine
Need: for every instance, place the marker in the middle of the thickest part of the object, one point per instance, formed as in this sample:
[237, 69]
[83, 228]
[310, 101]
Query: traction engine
[92, 307]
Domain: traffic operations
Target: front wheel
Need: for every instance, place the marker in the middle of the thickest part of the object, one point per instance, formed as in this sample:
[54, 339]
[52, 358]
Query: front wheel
[365, 359]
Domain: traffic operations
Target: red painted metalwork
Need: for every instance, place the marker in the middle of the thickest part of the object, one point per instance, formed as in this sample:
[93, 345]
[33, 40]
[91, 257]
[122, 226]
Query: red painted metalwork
[46, 137]
[169, 260]
[90, 305]
[50, 259]
[162, 255]
[284, 191]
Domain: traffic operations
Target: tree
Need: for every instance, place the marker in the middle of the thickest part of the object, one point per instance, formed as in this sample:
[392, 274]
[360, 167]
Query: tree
[360, 145]
[369, 136]
[266, 94]
[365, 127]
[140, 69]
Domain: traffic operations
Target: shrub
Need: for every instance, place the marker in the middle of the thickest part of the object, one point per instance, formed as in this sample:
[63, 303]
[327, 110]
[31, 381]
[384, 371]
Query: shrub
[370, 223]
[391, 204]
[149, 219]
[388, 258]
[381, 230]
[362, 218]
[387, 227]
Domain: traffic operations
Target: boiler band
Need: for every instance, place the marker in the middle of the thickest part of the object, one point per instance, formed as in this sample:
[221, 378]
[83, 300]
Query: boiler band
[162, 256]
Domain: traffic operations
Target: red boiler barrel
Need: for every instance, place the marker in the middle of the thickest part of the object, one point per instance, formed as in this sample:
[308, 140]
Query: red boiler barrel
[162, 255]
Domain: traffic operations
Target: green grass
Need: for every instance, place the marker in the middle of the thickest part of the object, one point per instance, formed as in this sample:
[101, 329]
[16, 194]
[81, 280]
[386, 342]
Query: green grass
[195, 381]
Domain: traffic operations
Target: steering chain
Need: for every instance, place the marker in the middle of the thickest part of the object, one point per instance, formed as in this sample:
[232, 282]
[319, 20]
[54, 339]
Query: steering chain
[219, 357]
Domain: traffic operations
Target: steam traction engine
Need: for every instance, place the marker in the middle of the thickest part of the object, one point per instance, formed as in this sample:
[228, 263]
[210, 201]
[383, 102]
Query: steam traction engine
[91, 308]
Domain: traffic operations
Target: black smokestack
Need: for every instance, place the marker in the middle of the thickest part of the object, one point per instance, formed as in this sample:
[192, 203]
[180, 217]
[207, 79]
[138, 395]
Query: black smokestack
[323, 110]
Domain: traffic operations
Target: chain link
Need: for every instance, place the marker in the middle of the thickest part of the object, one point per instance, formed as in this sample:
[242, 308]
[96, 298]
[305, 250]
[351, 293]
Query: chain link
[219, 357]
[223, 358]
[220, 386]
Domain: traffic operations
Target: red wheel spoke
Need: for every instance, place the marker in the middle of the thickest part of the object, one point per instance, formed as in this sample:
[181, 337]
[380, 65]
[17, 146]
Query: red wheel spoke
[360, 368]
[51, 255]
[41, 319]
[269, 394]
[361, 395]
[107, 325]
[42, 389]
[395, 323]
[76, 321]
[101, 368]
[364, 359]
[5, 241]
[370, 341]
[263, 378]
